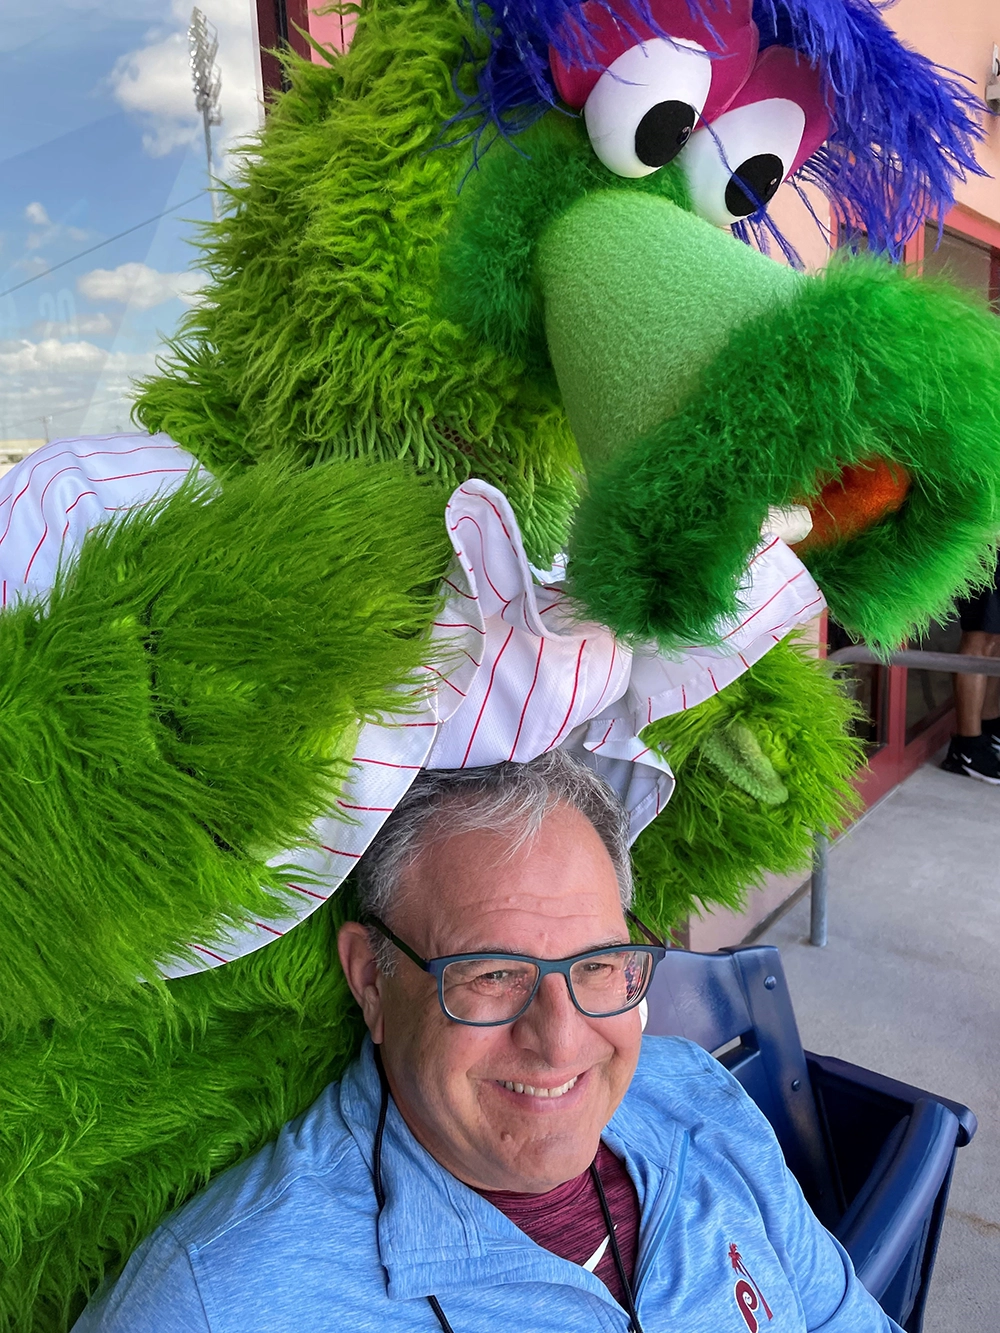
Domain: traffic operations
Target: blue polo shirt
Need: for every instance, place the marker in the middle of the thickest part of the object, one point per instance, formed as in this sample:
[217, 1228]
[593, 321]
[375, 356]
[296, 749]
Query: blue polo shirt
[291, 1241]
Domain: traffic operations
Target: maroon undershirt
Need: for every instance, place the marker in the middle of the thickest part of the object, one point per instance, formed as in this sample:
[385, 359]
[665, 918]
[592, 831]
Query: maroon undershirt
[569, 1222]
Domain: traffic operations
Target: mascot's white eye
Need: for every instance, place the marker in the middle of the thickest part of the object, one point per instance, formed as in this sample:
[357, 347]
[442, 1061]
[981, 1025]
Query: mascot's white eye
[777, 120]
[736, 165]
[641, 111]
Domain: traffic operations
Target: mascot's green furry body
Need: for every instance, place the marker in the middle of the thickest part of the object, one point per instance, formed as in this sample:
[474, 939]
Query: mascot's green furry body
[184, 703]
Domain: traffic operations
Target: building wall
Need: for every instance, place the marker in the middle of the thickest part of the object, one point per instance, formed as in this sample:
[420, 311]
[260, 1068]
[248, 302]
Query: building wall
[329, 29]
[960, 36]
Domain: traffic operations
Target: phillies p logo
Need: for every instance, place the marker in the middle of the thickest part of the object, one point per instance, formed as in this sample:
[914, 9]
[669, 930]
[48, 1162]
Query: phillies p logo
[749, 1297]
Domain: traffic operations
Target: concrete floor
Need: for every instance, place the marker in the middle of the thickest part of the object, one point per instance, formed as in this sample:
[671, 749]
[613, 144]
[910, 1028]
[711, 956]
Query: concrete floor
[909, 985]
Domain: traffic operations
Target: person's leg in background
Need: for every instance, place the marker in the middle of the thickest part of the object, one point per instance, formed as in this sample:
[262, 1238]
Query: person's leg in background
[971, 691]
[975, 748]
[991, 699]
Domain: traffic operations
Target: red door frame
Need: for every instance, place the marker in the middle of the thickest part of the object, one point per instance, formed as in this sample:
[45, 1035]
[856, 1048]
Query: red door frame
[278, 24]
[283, 23]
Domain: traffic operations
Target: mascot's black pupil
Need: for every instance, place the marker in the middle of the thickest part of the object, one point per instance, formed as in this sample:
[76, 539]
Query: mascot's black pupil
[663, 132]
[754, 182]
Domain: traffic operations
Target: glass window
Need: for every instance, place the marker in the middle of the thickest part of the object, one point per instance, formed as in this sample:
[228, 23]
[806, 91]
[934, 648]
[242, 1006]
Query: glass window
[966, 263]
[867, 686]
[974, 266]
[929, 693]
[105, 173]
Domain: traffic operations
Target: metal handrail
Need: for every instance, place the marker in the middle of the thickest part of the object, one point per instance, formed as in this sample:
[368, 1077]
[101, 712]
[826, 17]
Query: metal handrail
[859, 654]
[917, 659]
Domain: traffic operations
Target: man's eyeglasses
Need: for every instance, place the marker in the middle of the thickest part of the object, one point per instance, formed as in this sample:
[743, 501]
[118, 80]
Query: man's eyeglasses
[489, 989]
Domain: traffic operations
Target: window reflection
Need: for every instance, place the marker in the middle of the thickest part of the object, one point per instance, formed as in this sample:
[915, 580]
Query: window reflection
[104, 176]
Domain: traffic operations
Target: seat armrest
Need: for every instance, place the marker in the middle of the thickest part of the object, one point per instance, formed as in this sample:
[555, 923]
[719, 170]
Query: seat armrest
[892, 1089]
[890, 1223]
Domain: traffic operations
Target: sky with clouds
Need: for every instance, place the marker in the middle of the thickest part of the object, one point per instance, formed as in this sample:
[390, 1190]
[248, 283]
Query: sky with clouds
[101, 134]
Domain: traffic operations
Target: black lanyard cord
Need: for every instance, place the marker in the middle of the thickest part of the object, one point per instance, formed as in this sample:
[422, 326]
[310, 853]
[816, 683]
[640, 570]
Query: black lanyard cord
[383, 1111]
[616, 1253]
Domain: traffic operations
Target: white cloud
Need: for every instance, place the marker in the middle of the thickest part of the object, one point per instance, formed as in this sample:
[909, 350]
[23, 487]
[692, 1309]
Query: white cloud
[50, 355]
[87, 326]
[73, 385]
[33, 265]
[38, 216]
[139, 286]
[154, 82]
[80, 326]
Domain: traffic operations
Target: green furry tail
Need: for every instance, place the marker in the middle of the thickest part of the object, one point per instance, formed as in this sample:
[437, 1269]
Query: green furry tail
[715, 841]
[173, 716]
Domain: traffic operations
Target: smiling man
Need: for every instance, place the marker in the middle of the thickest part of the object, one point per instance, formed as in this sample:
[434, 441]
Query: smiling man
[507, 1151]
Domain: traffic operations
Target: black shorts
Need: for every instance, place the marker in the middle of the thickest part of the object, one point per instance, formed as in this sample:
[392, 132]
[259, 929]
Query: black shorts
[981, 612]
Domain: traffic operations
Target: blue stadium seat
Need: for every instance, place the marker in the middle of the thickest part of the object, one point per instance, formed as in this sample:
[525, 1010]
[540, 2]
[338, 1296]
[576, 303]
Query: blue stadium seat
[874, 1156]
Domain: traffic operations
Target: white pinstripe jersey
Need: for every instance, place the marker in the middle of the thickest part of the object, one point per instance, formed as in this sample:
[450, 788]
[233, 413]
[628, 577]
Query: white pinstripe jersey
[519, 670]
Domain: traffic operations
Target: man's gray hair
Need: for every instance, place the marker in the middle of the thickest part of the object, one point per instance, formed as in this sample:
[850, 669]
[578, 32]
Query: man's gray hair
[503, 798]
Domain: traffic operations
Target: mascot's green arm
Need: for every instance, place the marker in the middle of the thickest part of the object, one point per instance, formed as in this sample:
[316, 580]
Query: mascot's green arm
[716, 840]
[113, 1120]
[172, 717]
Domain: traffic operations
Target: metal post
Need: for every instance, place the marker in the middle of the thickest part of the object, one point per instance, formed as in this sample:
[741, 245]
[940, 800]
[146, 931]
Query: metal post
[818, 892]
[208, 158]
[203, 41]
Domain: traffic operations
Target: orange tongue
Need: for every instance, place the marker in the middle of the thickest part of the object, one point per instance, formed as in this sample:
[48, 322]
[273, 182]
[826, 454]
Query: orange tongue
[854, 501]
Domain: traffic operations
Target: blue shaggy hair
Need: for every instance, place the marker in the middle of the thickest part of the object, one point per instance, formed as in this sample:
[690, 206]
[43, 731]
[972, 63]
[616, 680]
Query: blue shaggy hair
[904, 130]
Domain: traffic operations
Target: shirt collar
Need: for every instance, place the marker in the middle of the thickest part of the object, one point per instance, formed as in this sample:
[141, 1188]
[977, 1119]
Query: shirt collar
[435, 1234]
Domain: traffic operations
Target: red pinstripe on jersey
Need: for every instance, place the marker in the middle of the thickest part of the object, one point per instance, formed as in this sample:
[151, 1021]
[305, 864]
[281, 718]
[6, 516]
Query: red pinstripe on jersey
[569, 711]
[745, 622]
[527, 699]
[486, 696]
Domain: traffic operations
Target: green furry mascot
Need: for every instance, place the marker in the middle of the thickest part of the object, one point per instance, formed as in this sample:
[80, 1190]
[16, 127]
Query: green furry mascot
[481, 297]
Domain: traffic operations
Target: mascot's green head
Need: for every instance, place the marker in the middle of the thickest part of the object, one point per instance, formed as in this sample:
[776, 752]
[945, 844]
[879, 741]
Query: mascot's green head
[515, 244]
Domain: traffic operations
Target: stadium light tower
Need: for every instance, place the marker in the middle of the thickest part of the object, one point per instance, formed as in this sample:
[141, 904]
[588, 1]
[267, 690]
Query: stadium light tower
[206, 78]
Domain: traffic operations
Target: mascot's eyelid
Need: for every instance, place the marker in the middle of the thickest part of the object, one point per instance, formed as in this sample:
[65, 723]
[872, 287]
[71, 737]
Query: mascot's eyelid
[602, 30]
[778, 120]
[642, 109]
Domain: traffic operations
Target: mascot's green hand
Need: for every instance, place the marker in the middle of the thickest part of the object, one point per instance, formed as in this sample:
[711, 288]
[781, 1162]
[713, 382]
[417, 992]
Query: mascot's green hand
[782, 729]
[871, 397]
[175, 714]
[736, 753]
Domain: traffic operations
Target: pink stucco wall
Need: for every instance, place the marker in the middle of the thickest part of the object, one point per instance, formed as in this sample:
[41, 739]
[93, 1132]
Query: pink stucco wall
[958, 35]
[333, 30]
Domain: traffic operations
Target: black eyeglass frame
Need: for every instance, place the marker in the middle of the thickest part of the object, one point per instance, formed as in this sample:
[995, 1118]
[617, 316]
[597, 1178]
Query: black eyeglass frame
[436, 967]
